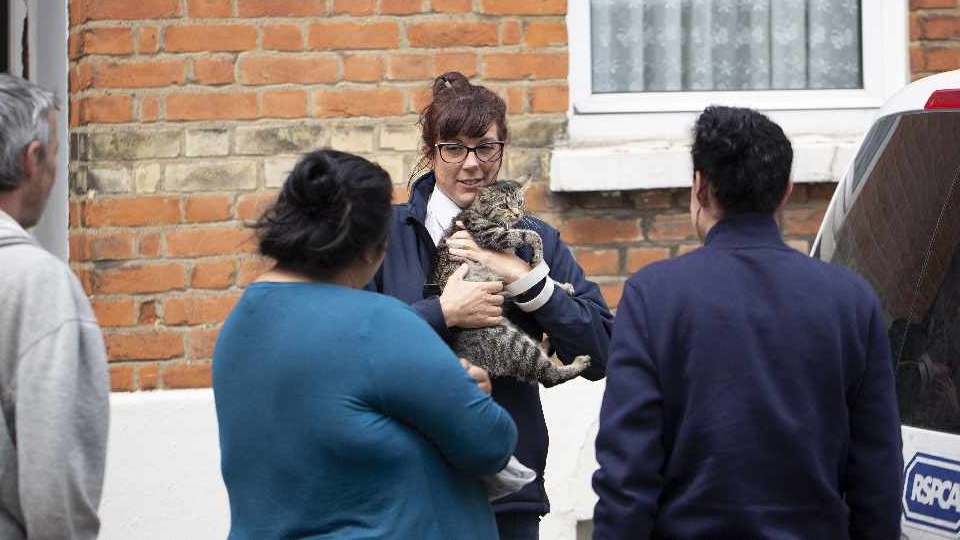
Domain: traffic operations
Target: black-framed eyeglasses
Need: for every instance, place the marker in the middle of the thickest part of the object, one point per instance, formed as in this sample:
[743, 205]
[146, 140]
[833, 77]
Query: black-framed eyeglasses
[457, 153]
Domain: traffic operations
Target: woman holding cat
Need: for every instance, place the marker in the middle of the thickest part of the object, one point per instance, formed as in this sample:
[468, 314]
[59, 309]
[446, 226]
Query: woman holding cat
[463, 140]
[328, 426]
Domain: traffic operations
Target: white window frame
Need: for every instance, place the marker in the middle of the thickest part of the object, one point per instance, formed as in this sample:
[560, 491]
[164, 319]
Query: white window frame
[641, 140]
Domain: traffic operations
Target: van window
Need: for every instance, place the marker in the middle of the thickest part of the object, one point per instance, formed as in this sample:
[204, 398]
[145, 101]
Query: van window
[902, 233]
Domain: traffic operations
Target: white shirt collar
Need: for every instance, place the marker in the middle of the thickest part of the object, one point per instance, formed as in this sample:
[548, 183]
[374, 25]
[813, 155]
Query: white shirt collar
[440, 213]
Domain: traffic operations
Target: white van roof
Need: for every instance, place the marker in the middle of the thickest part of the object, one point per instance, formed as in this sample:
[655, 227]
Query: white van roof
[914, 96]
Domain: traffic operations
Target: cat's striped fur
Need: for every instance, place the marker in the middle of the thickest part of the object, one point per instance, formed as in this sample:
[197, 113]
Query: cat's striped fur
[504, 350]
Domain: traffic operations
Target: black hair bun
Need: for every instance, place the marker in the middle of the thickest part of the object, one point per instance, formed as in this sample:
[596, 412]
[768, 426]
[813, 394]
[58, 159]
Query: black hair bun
[318, 188]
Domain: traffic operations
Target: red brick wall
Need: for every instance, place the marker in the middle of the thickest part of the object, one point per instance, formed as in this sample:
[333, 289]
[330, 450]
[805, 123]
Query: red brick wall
[187, 113]
[934, 36]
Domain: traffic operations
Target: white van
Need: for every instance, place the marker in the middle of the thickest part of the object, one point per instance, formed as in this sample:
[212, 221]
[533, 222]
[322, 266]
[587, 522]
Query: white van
[895, 219]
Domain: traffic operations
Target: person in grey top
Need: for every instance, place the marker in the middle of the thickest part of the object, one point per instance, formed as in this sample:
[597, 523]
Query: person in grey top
[54, 385]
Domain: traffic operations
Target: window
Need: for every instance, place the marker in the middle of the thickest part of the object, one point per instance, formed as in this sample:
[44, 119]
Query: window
[640, 71]
[900, 229]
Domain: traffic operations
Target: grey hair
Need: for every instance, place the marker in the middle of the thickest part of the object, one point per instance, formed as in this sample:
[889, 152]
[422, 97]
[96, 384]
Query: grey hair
[23, 119]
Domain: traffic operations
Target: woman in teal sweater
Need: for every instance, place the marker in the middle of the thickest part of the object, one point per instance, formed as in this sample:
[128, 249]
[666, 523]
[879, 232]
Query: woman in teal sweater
[341, 413]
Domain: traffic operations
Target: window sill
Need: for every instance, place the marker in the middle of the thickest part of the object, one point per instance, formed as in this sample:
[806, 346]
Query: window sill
[614, 167]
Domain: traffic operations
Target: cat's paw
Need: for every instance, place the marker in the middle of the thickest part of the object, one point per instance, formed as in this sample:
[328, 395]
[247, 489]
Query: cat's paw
[581, 361]
[566, 287]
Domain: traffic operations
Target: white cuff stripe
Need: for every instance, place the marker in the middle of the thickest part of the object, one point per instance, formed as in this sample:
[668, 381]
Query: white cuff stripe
[540, 300]
[524, 284]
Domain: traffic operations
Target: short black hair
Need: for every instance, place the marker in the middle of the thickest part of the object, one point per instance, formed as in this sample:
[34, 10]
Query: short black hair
[333, 208]
[744, 157]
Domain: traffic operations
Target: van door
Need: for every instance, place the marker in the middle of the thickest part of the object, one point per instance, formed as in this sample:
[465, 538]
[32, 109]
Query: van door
[897, 223]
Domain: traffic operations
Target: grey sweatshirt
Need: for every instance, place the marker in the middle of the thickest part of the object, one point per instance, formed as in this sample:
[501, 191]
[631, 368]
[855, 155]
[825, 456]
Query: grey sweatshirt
[54, 392]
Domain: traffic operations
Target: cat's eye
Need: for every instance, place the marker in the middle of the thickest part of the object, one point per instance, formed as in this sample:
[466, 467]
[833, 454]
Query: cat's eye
[457, 153]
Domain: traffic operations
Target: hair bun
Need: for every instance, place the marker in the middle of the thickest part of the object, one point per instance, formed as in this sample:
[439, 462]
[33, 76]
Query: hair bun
[317, 187]
[451, 80]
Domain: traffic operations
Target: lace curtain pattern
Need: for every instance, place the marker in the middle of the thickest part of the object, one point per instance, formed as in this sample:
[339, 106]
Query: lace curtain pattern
[691, 45]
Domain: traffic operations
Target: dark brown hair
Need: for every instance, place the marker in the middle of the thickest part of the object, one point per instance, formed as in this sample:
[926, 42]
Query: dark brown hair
[458, 108]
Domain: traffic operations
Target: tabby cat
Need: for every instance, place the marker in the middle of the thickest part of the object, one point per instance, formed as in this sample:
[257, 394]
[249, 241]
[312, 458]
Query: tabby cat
[503, 349]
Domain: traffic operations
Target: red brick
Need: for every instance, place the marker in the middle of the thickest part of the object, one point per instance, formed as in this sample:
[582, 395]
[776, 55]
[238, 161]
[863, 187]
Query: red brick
[74, 213]
[452, 6]
[284, 104]
[612, 290]
[593, 230]
[282, 37]
[210, 37]
[209, 9]
[524, 7]
[511, 33]
[358, 102]
[549, 99]
[914, 25]
[410, 67]
[802, 221]
[135, 278]
[107, 41]
[124, 10]
[464, 62]
[202, 342]
[210, 106]
[251, 268]
[147, 345]
[525, 65]
[207, 208]
[149, 108]
[252, 206]
[517, 101]
[150, 245]
[926, 4]
[362, 67]
[598, 261]
[73, 46]
[401, 7]
[539, 198]
[281, 8]
[213, 274]
[115, 312]
[419, 98]
[670, 227]
[121, 378]
[821, 191]
[85, 275]
[279, 69]
[131, 211]
[354, 7]
[639, 257]
[352, 35]
[197, 375]
[941, 59]
[148, 376]
[213, 71]
[545, 34]
[941, 26]
[111, 245]
[137, 74]
[452, 34]
[194, 310]
[105, 109]
[147, 314]
[205, 241]
[148, 40]
[917, 62]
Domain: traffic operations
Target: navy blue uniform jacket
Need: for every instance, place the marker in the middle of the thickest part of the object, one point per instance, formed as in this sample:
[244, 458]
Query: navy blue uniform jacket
[577, 325]
[750, 394]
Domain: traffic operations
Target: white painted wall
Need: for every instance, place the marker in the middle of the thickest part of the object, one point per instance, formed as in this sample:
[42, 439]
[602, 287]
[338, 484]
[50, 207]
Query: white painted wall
[163, 464]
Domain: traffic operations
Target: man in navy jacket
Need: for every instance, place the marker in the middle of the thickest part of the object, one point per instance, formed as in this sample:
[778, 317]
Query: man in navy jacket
[750, 389]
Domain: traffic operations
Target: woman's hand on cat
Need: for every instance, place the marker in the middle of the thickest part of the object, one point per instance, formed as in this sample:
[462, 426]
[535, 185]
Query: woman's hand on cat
[505, 263]
[478, 374]
[471, 304]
